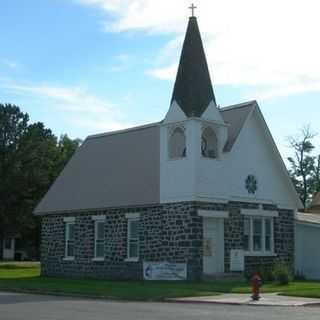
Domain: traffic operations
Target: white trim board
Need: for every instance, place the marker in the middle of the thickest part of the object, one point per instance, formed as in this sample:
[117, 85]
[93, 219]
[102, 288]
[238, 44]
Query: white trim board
[260, 254]
[204, 198]
[69, 219]
[259, 213]
[132, 215]
[99, 218]
[213, 214]
[111, 133]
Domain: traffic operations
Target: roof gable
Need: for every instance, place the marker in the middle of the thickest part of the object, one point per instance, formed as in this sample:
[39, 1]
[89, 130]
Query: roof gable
[265, 134]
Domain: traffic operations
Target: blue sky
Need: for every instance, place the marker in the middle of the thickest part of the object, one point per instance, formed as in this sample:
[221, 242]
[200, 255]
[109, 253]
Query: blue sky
[90, 66]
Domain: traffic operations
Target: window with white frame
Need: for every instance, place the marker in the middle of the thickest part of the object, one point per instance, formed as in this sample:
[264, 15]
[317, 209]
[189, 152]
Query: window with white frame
[69, 238]
[133, 238]
[99, 238]
[258, 235]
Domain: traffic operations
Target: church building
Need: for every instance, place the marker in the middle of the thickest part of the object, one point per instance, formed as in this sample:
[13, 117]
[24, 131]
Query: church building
[204, 192]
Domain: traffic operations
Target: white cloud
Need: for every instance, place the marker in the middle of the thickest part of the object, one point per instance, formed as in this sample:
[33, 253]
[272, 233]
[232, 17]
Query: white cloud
[165, 73]
[271, 92]
[9, 63]
[80, 108]
[254, 43]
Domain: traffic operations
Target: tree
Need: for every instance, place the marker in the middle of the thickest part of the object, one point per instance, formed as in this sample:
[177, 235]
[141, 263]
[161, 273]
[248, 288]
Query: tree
[31, 157]
[316, 175]
[13, 125]
[66, 148]
[305, 168]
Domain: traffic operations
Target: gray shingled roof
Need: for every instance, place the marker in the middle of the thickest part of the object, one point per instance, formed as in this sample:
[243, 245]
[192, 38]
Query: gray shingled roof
[193, 88]
[312, 218]
[236, 116]
[109, 170]
[120, 168]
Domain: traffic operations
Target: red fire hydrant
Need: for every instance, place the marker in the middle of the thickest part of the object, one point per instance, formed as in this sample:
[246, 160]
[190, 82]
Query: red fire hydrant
[256, 283]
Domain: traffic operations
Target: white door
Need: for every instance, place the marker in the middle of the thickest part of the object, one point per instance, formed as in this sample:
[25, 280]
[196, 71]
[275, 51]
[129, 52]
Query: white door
[213, 246]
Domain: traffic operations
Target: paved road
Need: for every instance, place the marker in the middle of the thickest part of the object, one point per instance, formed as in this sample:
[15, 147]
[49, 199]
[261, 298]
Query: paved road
[34, 307]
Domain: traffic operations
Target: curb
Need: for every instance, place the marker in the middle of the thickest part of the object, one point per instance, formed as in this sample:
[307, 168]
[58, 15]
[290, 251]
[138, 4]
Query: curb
[248, 304]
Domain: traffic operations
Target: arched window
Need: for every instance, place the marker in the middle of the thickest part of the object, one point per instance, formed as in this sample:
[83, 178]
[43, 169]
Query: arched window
[209, 143]
[177, 144]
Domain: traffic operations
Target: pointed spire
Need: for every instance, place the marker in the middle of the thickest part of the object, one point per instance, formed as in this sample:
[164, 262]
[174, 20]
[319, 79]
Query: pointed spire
[193, 88]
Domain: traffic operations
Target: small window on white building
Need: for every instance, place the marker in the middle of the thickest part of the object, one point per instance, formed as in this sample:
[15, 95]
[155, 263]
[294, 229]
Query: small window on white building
[133, 239]
[209, 143]
[69, 237]
[177, 144]
[258, 235]
[99, 239]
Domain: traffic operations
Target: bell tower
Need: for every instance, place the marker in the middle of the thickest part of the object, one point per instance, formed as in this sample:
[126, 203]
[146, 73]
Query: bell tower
[193, 128]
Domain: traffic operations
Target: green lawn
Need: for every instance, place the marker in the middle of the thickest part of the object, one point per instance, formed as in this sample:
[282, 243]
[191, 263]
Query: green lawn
[26, 277]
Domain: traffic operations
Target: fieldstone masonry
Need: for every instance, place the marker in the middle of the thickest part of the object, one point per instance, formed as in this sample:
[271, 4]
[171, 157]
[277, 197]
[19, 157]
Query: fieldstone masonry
[168, 232]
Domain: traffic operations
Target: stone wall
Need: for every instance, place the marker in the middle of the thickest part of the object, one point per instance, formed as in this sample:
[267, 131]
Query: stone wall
[284, 236]
[170, 232]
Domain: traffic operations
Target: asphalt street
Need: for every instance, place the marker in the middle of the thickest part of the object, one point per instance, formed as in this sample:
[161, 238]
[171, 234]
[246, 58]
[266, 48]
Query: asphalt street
[35, 307]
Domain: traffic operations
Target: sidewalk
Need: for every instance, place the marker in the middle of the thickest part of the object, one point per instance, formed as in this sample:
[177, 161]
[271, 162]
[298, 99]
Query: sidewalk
[267, 299]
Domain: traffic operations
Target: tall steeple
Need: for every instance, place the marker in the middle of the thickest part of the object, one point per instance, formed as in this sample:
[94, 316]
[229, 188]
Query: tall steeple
[193, 88]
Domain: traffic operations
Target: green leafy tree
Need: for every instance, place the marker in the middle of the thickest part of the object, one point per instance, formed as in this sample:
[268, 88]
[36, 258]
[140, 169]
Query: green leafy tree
[36, 157]
[66, 148]
[13, 126]
[31, 158]
[316, 175]
[304, 166]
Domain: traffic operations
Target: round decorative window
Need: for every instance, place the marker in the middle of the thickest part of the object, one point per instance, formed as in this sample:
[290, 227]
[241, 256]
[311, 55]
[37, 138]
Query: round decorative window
[251, 184]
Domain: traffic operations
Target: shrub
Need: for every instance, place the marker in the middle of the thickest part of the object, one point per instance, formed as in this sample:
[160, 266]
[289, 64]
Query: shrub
[282, 274]
[266, 273]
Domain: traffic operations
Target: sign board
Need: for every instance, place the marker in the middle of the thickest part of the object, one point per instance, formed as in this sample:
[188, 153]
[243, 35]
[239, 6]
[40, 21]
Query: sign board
[236, 260]
[164, 271]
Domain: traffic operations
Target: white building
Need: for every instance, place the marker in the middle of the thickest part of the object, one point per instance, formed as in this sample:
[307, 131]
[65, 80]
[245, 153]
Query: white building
[205, 188]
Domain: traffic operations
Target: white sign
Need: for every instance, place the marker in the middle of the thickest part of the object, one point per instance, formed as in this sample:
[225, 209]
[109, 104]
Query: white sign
[164, 271]
[236, 260]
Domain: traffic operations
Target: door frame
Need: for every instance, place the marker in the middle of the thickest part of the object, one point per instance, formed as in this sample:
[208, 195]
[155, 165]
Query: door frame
[221, 241]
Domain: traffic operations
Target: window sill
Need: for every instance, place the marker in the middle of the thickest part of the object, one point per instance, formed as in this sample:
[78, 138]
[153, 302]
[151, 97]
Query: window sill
[132, 260]
[68, 259]
[260, 254]
[177, 159]
[98, 259]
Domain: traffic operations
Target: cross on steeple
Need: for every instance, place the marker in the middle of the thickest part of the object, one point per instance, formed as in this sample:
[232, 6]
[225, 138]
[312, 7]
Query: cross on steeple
[192, 8]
